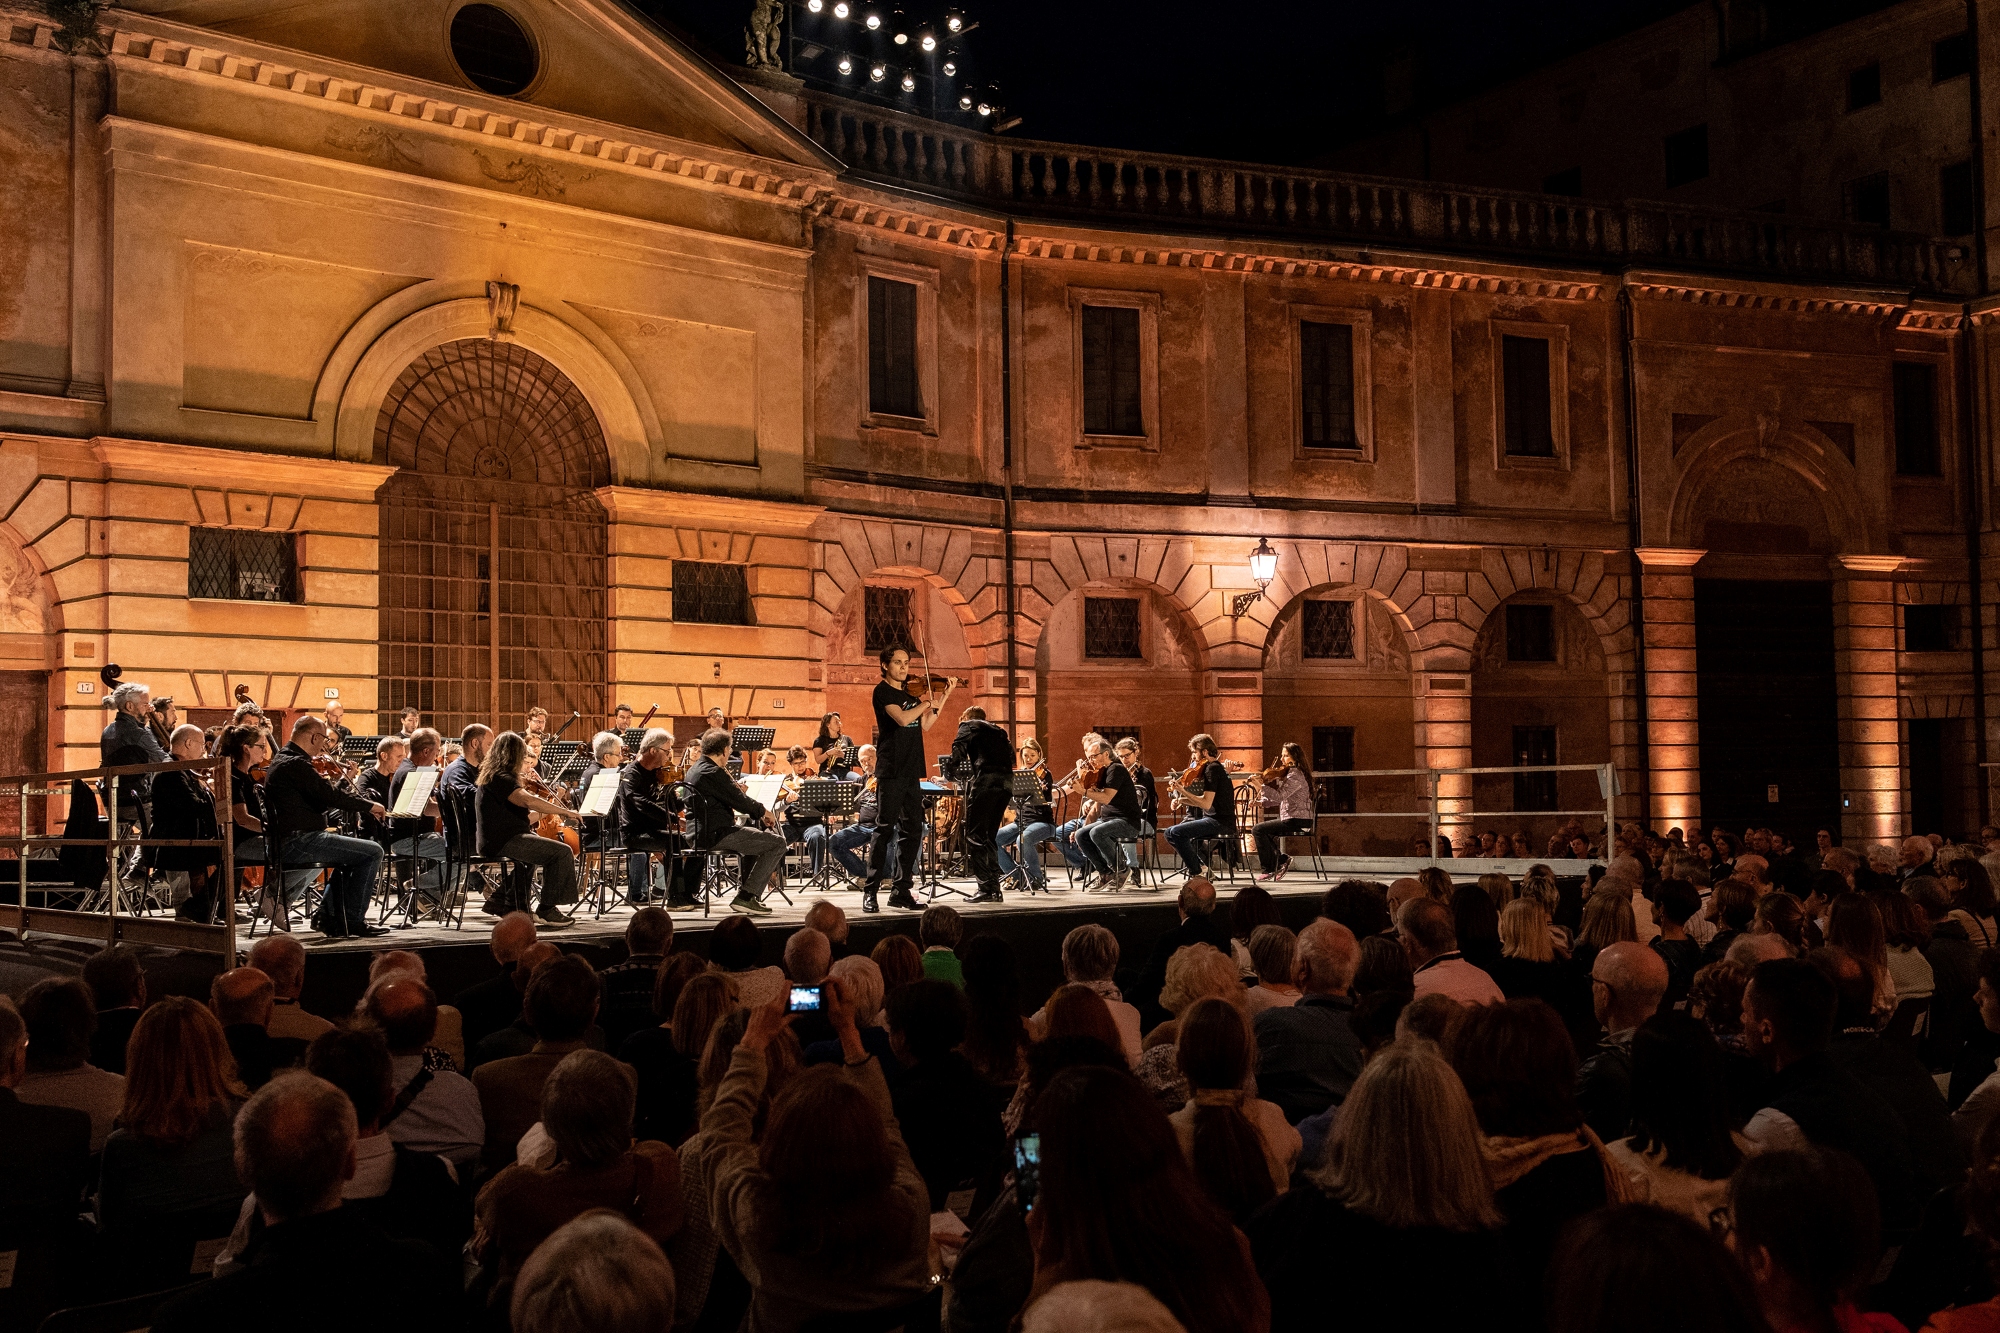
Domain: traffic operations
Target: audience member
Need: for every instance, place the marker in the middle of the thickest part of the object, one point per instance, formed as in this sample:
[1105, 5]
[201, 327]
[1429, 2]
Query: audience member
[1098, 1307]
[1683, 1146]
[627, 1003]
[1804, 1227]
[1271, 949]
[1906, 934]
[1194, 972]
[118, 984]
[1954, 961]
[1242, 1148]
[1360, 906]
[1090, 958]
[995, 1034]
[1197, 925]
[242, 1001]
[808, 955]
[1732, 906]
[1400, 1200]
[172, 1152]
[496, 1002]
[48, 1148]
[666, 1058]
[830, 921]
[946, 1111]
[1627, 982]
[1307, 1053]
[1384, 966]
[899, 960]
[1640, 1269]
[1972, 898]
[1117, 1202]
[294, 1145]
[863, 980]
[61, 1020]
[596, 1273]
[939, 930]
[1855, 925]
[1476, 922]
[734, 947]
[1973, 1114]
[446, 1050]
[1674, 906]
[283, 959]
[1252, 907]
[561, 1008]
[430, 1110]
[1430, 939]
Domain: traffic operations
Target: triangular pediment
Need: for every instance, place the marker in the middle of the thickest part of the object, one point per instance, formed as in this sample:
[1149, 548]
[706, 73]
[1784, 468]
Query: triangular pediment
[593, 58]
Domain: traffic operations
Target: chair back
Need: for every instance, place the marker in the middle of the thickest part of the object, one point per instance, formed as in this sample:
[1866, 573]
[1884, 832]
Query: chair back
[134, 1314]
[1908, 1022]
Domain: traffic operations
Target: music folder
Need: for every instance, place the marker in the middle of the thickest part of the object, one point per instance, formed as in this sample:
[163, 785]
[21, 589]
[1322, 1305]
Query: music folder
[416, 793]
[602, 791]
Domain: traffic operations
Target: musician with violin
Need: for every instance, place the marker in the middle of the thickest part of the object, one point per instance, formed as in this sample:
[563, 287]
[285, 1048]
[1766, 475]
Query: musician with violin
[1288, 784]
[1148, 791]
[1034, 822]
[1069, 836]
[506, 799]
[298, 798]
[1108, 785]
[649, 815]
[713, 796]
[901, 719]
[184, 808]
[419, 837]
[798, 820]
[984, 749]
[374, 783]
[1205, 793]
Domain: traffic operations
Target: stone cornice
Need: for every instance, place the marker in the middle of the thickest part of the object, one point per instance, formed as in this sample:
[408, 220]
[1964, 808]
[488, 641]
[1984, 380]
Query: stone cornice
[1668, 557]
[688, 509]
[1803, 298]
[183, 464]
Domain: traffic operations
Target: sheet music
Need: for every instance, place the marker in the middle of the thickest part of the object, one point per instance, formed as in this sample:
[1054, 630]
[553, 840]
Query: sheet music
[763, 787]
[602, 791]
[416, 793]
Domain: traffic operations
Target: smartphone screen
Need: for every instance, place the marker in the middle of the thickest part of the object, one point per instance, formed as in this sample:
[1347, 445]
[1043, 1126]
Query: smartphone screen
[1027, 1170]
[805, 1000]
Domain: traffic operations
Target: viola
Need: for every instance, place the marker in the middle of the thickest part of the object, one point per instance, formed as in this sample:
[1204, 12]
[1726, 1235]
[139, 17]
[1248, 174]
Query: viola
[551, 826]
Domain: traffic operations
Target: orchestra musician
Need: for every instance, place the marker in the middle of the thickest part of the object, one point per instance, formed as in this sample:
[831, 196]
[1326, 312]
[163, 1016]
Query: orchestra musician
[1289, 784]
[1127, 750]
[504, 829]
[1108, 785]
[419, 837]
[247, 752]
[831, 752]
[184, 808]
[900, 722]
[867, 810]
[412, 719]
[163, 719]
[1069, 837]
[621, 719]
[649, 814]
[298, 799]
[334, 713]
[601, 831]
[799, 820]
[537, 732]
[129, 739]
[715, 794]
[374, 784]
[985, 748]
[460, 779]
[1034, 822]
[1215, 801]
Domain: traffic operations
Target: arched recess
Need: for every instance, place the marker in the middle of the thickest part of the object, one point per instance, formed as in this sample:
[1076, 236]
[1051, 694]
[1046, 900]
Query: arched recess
[29, 639]
[493, 540]
[1538, 676]
[892, 607]
[1120, 656]
[1337, 665]
[1763, 486]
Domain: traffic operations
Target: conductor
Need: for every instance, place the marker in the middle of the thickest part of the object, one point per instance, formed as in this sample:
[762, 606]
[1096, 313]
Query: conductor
[985, 749]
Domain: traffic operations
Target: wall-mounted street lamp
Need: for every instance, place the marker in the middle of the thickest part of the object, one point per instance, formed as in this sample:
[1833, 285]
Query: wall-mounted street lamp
[1263, 568]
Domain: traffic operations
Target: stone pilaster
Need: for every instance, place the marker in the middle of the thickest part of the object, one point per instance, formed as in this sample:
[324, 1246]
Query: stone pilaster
[1444, 740]
[1673, 747]
[1864, 664]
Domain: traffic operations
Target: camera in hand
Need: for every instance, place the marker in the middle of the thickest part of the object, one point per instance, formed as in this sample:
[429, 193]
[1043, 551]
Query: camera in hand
[1027, 1170]
[805, 1000]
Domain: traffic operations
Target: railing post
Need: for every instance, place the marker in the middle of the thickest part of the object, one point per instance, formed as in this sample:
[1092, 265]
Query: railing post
[111, 910]
[1607, 777]
[1433, 846]
[226, 828]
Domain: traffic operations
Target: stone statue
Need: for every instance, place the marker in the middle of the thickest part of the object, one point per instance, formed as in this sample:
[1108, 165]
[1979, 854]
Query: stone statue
[761, 37]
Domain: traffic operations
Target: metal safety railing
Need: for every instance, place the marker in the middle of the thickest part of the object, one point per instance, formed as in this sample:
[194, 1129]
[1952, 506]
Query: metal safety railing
[1443, 809]
[115, 921]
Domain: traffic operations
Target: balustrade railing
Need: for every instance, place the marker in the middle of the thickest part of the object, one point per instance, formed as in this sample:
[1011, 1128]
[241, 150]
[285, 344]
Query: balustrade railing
[1168, 193]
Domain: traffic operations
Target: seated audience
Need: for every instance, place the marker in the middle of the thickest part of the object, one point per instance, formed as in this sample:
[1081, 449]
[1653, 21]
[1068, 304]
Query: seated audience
[808, 956]
[295, 1147]
[1627, 983]
[665, 1058]
[995, 1033]
[1384, 966]
[118, 985]
[1674, 905]
[1196, 971]
[946, 1111]
[1641, 1269]
[48, 1148]
[734, 947]
[1430, 938]
[61, 1019]
[172, 1152]
[939, 931]
[1683, 1145]
[495, 1002]
[518, 1037]
[1073, 1012]
[1805, 1229]
[1360, 906]
[899, 960]
[446, 1050]
[586, 1108]
[597, 1273]
[1400, 1199]
[627, 1003]
[1476, 922]
[1251, 908]
[1242, 1148]
[1117, 1202]
[562, 1009]
[1197, 925]
[1270, 950]
[863, 980]
[283, 959]
[242, 1001]
[1307, 1053]
[1090, 958]
[430, 1110]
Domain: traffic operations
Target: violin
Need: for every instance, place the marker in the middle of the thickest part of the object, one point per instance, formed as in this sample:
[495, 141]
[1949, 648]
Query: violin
[1275, 774]
[551, 826]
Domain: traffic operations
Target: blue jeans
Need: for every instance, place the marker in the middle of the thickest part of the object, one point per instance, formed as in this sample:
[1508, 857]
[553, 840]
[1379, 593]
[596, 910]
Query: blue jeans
[1102, 838]
[1066, 842]
[355, 862]
[842, 843]
[1031, 839]
[428, 848]
[1183, 836]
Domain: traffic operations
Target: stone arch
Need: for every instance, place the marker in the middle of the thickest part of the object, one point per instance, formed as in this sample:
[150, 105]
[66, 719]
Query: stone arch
[851, 550]
[1163, 696]
[624, 415]
[30, 691]
[1764, 485]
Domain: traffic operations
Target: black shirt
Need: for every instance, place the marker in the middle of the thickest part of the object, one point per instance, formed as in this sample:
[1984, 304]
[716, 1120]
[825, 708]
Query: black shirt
[1215, 778]
[374, 784]
[299, 797]
[899, 746]
[499, 818]
[716, 795]
[1117, 779]
[1038, 811]
[645, 804]
[249, 795]
[985, 747]
[406, 828]
[1149, 793]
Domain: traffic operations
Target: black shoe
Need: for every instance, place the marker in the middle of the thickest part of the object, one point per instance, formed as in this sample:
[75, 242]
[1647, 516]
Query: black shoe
[750, 906]
[901, 898]
[683, 904]
[554, 920]
[868, 903]
[368, 933]
[987, 896]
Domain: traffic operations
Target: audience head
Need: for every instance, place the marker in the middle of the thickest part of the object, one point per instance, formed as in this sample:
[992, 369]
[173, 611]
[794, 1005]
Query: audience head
[1642, 1269]
[587, 1104]
[808, 955]
[940, 928]
[1426, 929]
[1524, 932]
[1197, 897]
[900, 961]
[926, 1019]
[1373, 1020]
[1098, 1307]
[116, 978]
[60, 1019]
[1855, 924]
[1475, 918]
[1676, 901]
[734, 945]
[1732, 905]
[1325, 958]
[1930, 897]
[1749, 949]
[1498, 889]
[1970, 886]
[828, 1171]
[1359, 905]
[1384, 967]
[1806, 1230]
[283, 960]
[1212, 1049]
[1199, 970]
[1405, 1149]
[355, 1060]
[1252, 907]
[1079, 1011]
[1518, 1067]
[513, 935]
[1853, 986]
[594, 1274]
[704, 1002]
[1628, 981]
[1435, 1018]
[1788, 1011]
[1608, 919]
[179, 1074]
[1090, 953]
[650, 933]
[828, 920]
[1271, 953]
[1680, 1097]
[295, 1146]
[675, 971]
[405, 1010]
[562, 997]
[861, 980]
[1436, 884]
[1781, 915]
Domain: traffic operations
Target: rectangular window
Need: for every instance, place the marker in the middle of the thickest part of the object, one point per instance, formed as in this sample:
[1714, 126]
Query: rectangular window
[237, 565]
[1957, 214]
[1567, 182]
[1333, 752]
[1111, 627]
[1118, 731]
[1867, 200]
[1930, 629]
[1327, 630]
[1534, 745]
[1531, 633]
[1864, 87]
[1326, 385]
[1111, 371]
[1915, 386]
[1686, 155]
[892, 348]
[710, 593]
[1951, 56]
[1524, 396]
[888, 620]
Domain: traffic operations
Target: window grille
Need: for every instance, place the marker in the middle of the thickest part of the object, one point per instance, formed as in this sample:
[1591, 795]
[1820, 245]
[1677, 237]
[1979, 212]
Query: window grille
[710, 593]
[889, 620]
[243, 566]
[1328, 629]
[1111, 627]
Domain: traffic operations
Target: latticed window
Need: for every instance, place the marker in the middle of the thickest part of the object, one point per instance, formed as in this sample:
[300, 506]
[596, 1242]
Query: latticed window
[1118, 731]
[710, 593]
[889, 621]
[1111, 371]
[1326, 385]
[1111, 627]
[243, 566]
[1328, 629]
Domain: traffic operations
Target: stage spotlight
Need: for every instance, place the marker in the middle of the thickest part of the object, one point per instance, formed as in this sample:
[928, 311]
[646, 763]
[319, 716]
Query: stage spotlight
[950, 67]
[840, 9]
[814, 6]
[878, 73]
[965, 102]
[846, 65]
[929, 42]
[985, 108]
[909, 83]
[873, 21]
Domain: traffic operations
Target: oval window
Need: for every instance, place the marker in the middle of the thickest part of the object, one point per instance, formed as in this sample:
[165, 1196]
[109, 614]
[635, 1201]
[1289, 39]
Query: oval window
[493, 50]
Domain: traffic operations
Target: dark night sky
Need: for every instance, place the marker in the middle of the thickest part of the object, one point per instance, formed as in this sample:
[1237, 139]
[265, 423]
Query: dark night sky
[1262, 83]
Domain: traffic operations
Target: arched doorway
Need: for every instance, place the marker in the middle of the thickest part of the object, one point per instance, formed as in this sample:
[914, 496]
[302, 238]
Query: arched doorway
[1538, 697]
[1119, 657]
[493, 543]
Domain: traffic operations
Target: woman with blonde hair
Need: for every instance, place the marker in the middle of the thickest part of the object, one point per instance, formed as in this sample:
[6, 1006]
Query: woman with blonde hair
[1607, 920]
[1195, 972]
[1498, 887]
[1401, 1197]
[172, 1152]
[1540, 884]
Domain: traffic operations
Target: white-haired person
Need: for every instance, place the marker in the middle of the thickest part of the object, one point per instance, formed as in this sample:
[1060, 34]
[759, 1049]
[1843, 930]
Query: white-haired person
[596, 1273]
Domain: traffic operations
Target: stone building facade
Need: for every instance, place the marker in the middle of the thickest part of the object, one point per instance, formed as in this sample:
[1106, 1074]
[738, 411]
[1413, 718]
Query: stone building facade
[323, 369]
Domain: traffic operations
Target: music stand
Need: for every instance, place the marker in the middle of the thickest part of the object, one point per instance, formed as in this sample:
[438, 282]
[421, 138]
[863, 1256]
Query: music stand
[831, 797]
[632, 736]
[359, 749]
[745, 740]
[562, 761]
[1027, 789]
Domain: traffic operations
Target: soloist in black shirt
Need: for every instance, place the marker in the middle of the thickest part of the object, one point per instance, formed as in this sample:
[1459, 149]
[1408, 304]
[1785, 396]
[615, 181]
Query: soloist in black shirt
[899, 746]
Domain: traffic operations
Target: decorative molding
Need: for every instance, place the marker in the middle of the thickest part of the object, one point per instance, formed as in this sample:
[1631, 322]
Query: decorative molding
[1667, 557]
[1852, 564]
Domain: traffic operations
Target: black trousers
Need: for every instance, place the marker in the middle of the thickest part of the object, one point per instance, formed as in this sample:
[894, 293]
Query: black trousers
[985, 808]
[1268, 835]
[901, 818]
